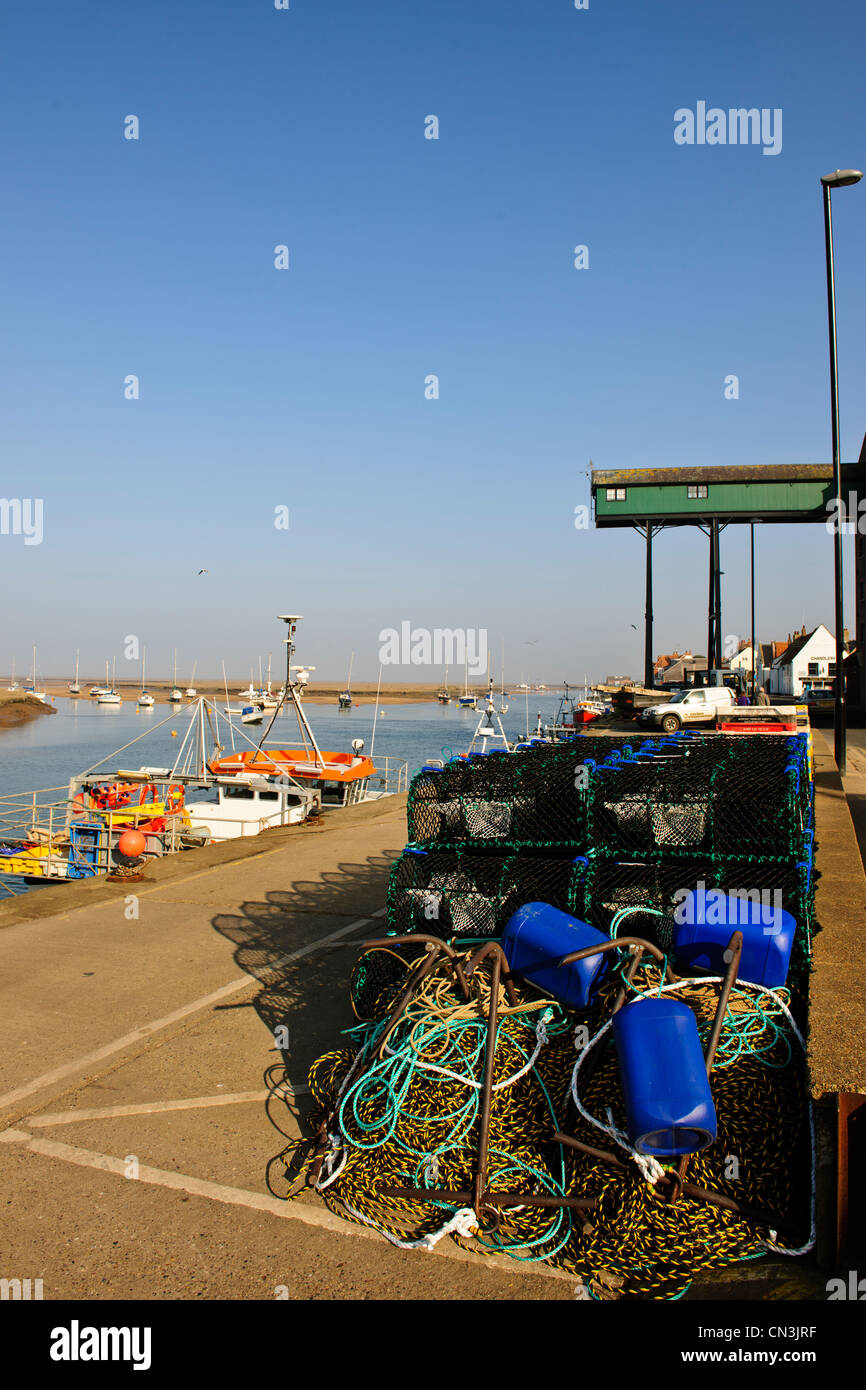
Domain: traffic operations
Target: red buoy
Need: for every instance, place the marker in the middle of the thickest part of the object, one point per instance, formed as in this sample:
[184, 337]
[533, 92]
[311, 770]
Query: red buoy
[131, 844]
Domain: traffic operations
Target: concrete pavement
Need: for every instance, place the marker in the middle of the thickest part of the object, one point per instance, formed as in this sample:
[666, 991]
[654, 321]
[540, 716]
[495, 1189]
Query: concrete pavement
[143, 1099]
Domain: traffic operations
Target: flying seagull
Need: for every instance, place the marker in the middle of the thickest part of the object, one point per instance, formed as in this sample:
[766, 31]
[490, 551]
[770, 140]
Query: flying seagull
[204, 571]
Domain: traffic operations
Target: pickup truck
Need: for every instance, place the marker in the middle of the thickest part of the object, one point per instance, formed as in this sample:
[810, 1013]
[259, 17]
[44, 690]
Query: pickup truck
[689, 707]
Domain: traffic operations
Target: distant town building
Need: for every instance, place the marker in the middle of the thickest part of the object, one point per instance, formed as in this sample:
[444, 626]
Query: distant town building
[684, 670]
[808, 662]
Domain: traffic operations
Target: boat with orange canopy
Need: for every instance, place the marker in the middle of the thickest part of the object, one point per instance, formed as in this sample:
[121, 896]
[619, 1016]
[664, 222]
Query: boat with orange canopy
[342, 777]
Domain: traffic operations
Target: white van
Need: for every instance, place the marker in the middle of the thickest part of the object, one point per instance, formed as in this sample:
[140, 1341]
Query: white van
[690, 707]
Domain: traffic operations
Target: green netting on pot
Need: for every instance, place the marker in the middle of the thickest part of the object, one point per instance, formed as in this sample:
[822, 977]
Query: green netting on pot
[612, 883]
[725, 796]
[510, 801]
[459, 894]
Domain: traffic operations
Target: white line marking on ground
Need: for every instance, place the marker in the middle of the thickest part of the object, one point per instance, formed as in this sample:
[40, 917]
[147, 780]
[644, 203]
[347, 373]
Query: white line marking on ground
[155, 1107]
[148, 1029]
[262, 1201]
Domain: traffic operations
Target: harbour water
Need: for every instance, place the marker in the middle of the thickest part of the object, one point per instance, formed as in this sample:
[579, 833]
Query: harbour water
[49, 750]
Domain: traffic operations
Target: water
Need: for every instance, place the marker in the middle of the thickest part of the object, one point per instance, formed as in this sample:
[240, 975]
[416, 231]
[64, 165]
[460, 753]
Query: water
[52, 748]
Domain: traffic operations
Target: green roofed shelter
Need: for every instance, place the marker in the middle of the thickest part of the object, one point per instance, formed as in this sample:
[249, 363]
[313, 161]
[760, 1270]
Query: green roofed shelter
[650, 499]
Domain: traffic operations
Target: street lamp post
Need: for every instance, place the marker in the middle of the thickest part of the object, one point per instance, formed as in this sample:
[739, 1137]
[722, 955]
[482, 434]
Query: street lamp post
[840, 179]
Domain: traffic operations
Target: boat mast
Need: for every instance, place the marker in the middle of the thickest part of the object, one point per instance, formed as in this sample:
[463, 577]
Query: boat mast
[228, 707]
[291, 691]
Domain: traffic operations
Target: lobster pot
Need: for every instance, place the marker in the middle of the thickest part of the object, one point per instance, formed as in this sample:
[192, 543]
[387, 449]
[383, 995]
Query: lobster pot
[537, 936]
[510, 801]
[652, 885]
[668, 1104]
[764, 799]
[452, 894]
[749, 795]
[707, 918]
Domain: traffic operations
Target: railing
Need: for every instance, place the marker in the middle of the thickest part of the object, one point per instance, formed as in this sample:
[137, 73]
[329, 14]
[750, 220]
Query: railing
[391, 777]
[31, 819]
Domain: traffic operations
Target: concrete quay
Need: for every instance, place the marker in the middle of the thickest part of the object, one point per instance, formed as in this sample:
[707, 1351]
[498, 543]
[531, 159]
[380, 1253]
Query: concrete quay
[143, 1098]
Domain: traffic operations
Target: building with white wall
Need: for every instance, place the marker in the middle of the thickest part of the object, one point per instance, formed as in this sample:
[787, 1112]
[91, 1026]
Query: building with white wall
[807, 663]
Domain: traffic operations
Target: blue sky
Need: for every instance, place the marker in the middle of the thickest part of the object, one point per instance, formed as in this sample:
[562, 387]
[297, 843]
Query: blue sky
[304, 388]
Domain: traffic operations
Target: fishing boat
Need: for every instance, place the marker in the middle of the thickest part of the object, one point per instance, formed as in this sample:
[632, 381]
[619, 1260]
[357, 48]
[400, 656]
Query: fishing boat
[74, 832]
[489, 733]
[73, 687]
[343, 778]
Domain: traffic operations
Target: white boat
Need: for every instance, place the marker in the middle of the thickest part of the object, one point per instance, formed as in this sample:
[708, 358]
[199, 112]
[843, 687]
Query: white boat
[74, 688]
[489, 730]
[252, 714]
[145, 701]
[191, 691]
[244, 805]
[110, 696]
[31, 689]
[175, 694]
[14, 685]
[467, 700]
[344, 699]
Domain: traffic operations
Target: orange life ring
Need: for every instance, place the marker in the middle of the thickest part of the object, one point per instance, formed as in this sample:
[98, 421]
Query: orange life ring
[79, 806]
[147, 787]
[174, 798]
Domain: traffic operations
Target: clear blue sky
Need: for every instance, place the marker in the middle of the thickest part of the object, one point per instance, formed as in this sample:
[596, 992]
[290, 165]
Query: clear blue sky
[410, 257]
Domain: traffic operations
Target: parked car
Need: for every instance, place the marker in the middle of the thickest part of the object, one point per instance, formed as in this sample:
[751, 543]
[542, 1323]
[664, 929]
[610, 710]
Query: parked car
[690, 707]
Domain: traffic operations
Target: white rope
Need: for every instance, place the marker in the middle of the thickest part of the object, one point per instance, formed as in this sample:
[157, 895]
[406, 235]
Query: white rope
[336, 1148]
[464, 1222]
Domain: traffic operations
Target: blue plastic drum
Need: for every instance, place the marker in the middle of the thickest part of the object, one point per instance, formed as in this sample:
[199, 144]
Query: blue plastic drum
[537, 936]
[668, 1104]
[707, 918]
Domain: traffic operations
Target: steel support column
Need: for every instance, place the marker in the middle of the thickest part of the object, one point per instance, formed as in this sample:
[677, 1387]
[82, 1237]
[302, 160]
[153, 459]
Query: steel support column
[648, 674]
